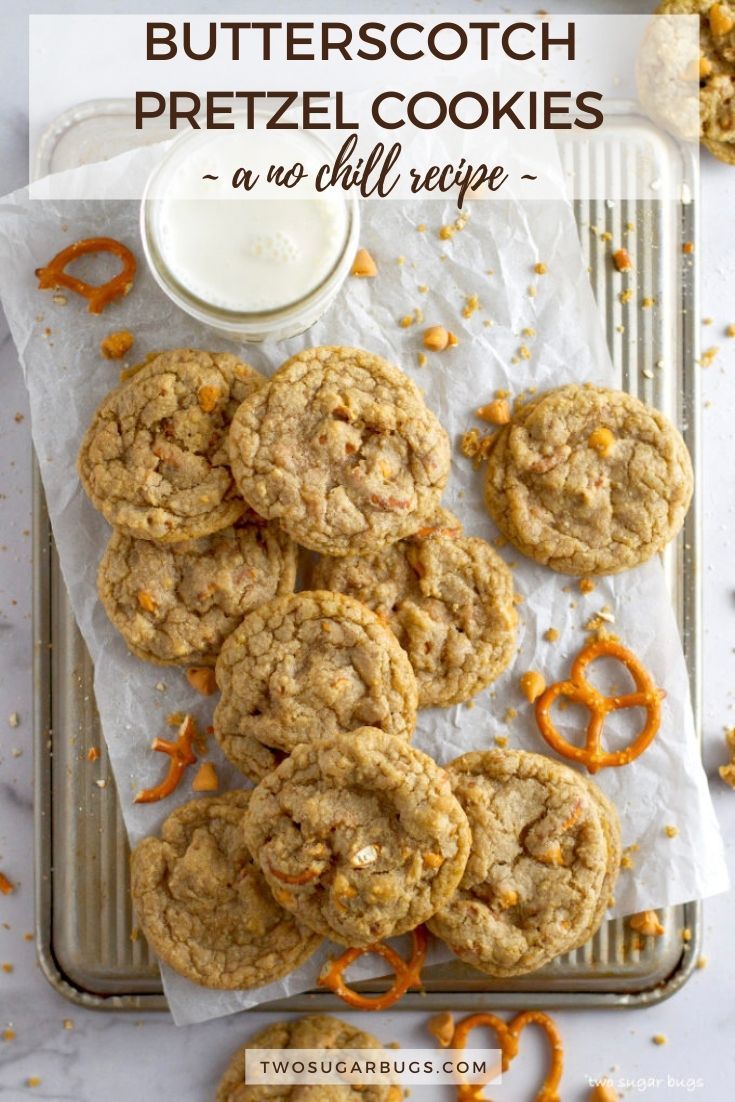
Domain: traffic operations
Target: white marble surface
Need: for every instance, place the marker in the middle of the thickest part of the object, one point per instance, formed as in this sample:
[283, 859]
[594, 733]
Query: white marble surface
[125, 1059]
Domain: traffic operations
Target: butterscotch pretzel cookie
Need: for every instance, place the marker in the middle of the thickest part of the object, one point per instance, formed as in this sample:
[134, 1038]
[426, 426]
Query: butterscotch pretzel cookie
[543, 860]
[588, 481]
[176, 603]
[303, 667]
[448, 599]
[716, 71]
[317, 1031]
[204, 905]
[154, 460]
[341, 450]
[359, 835]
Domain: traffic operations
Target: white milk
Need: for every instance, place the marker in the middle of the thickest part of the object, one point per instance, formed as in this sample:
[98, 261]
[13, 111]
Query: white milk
[237, 252]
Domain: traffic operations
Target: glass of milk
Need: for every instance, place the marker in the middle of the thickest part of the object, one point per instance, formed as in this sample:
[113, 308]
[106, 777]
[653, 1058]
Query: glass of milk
[254, 264]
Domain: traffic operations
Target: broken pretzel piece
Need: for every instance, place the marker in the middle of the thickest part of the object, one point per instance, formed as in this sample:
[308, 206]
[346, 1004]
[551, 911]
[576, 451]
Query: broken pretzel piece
[181, 754]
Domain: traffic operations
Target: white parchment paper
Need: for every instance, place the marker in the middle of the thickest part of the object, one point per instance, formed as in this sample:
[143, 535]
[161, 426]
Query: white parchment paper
[491, 258]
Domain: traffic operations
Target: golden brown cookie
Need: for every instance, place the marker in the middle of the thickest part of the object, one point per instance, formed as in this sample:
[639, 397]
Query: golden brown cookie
[543, 860]
[589, 481]
[341, 450]
[154, 461]
[359, 835]
[304, 667]
[448, 599]
[317, 1031]
[176, 603]
[204, 905]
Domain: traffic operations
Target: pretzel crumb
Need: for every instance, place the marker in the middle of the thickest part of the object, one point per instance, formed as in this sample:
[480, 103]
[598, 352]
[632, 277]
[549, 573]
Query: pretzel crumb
[441, 1026]
[621, 260]
[363, 266]
[646, 923]
[93, 753]
[115, 345]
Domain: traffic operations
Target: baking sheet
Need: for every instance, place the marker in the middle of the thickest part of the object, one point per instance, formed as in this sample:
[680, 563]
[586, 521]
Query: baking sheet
[568, 346]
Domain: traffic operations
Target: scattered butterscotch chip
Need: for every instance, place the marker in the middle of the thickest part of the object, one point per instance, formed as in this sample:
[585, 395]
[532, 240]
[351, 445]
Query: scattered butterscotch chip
[602, 440]
[702, 962]
[436, 338]
[659, 1039]
[708, 356]
[446, 233]
[68, 1023]
[686, 934]
[532, 685]
[206, 778]
[671, 831]
[688, 246]
[116, 345]
[496, 412]
[621, 260]
[646, 923]
[406, 321]
[720, 20]
[363, 266]
[441, 1026]
[147, 601]
[603, 1092]
[476, 447]
[93, 753]
[453, 339]
[6, 886]
[7, 967]
[586, 585]
[551, 635]
[202, 679]
[421, 227]
[9, 1034]
[33, 1081]
[540, 268]
[207, 397]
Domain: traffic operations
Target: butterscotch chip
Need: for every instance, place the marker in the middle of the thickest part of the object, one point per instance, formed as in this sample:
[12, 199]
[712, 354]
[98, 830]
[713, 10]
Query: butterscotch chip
[115, 345]
[436, 338]
[449, 601]
[204, 905]
[364, 267]
[305, 667]
[205, 779]
[496, 412]
[341, 450]
[541, 834]
[153, 461]
[202, 679]
[621, 260]
[441, 1026]
[176, 603]
[603, 1092]
[316, 1032]
[646, 923]
[532, 685]
[580, 508]
[333, 798]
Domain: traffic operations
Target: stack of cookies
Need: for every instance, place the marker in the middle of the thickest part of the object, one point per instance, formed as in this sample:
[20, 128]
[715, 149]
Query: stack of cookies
[212, 476]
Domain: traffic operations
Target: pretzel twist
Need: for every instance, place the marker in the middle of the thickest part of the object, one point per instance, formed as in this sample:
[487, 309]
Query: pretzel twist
[53, 275]
[509, 1034]
[407, 973]
[578, 688]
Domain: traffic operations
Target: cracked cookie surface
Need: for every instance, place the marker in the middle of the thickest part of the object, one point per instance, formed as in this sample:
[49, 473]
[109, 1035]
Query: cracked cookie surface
[154, 460]
[360, 836]
[317, 1031]
[303, 667]
[176, 603]
[449, 601]
[540, 862]
[204, 905]
[589, 481]
[341, 450]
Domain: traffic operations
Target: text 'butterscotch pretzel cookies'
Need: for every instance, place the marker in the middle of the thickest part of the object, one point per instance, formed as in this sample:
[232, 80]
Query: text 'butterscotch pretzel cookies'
[579, 506]
[543, 861]
[448, 599]
[341, 450]
[359, 835]
[302, 667]
[154, 460]
[315, 1032]
[204, 905]
[581, 691]
[175, 604]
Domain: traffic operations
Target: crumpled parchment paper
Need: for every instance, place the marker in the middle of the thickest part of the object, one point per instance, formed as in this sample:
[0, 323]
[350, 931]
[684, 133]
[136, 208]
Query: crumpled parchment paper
[491, 258]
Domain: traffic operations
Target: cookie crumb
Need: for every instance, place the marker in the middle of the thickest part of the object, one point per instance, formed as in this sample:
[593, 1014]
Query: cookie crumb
[659, 1039]
[551, 635]
[708, 356]
[626, 296]
[686, 935]
[586, 585]
[13, 719]
[727, 772]
[363, 266]
[476, 447]
[441, 1026]
[472, 303]
[702, 962]
[730, 331]
[501, 741]
[671, 831]
[422, 359]
[115, 345]
[68, 1023]
[540, 268]
[647, 303]
[510, 715]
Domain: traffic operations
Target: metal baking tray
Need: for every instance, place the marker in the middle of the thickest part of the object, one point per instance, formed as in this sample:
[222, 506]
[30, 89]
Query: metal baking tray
[85, 932]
